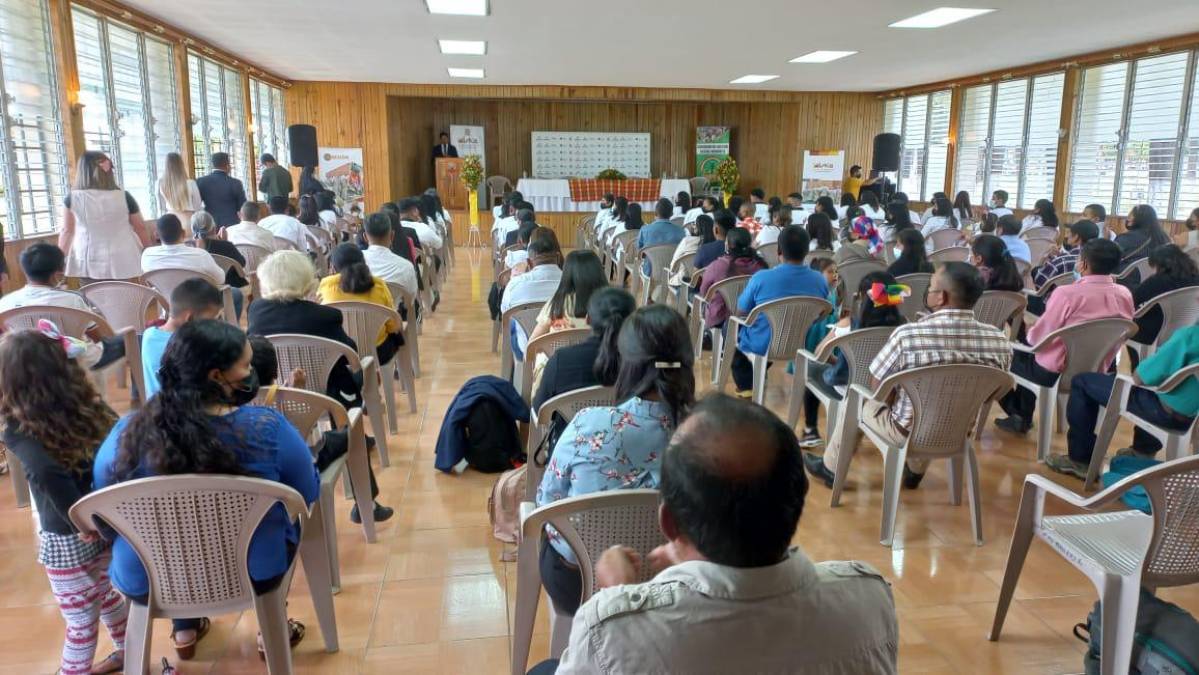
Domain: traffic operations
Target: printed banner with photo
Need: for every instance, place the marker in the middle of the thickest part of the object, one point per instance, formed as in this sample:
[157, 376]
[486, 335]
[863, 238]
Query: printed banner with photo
[823, 171]
[712, 146]
[469, 140]
[340, 170]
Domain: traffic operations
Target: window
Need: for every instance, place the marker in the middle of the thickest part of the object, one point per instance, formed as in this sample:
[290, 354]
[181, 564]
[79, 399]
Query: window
[1188, 165]
[1007, 139]
[218, 115]
[923, 123]
[32, 154]
[127, 88]
[1133, 140]
[270, 124]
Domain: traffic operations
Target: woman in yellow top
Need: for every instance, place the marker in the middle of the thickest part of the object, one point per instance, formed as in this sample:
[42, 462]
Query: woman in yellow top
[353, 281]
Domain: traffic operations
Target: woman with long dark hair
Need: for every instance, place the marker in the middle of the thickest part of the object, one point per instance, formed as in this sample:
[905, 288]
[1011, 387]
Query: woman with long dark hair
[682, 203]
[869, 204]
[594, 361]
[1172, 269]
[352, 281]
[995, 264]
[739, 259]
[309, 185]
[899, 218]
[912, 259]
[201, 422]
[826, 206]
[1144, 234]
[939, 218]
[53, 422]
[582, 275]
[820, 231]
[621, 446]
[309, 212]
[1043, 215]
[962, 208]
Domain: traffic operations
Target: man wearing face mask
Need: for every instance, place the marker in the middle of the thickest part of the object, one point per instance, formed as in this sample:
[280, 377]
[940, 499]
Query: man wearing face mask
[950, 335]
[1063, 261]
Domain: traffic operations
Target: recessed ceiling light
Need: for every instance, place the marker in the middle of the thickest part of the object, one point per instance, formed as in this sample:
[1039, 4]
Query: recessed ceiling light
[477, 47]
[753, 79]
[941, 16]
[821, 56]
[469, 7]
[475, 73]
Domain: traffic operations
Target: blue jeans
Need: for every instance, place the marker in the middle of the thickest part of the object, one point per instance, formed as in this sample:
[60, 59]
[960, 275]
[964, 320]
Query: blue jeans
[1090, 391]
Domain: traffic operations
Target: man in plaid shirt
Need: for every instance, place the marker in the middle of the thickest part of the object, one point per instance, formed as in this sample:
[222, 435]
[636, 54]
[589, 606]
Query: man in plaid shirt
[950, 335]
[1063, 262]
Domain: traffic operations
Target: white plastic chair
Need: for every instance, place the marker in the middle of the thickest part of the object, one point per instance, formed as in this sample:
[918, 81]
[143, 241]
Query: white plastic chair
[949, 405]
[913, 305]
[316, 357]
[659, 267]
[123, 303]
[729, 290]
[628, 258]
[589, 524]
[1039, 249]
[1089, 345]
[1140, 266]
[683, 267]
[1048, 287]
[947, 238]
[412, 326]
[524, 314]
[226, 263]
[1040, 232]
[1001, 309]
[254, 255]
[363, 321]
[567, 406]
[951, 254]
[770, 253]
[1173, 442]
[192, 534]
[1180, 308]
[790, 319]
[285, 244]
[165, 282]
[820, 253]
[1121, 552]
[851, 274]
[859, 347]
[546, 344]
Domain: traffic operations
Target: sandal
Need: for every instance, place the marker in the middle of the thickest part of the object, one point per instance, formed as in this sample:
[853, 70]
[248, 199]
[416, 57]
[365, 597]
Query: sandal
[167, 668]
[186, 651]
[295, 631]
[113, 663]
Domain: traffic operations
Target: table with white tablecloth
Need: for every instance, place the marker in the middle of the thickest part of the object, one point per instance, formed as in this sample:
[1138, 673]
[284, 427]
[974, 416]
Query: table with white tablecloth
[553, 194]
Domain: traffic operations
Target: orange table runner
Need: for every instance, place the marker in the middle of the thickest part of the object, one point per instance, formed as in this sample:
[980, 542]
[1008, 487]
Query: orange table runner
[633, 189]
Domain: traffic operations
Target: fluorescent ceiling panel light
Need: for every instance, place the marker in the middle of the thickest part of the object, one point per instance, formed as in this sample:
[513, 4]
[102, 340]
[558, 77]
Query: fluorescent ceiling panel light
[475, 47]
[468, 7]
[753, 79]
[941, 16]
[822, 56]
[475, 73]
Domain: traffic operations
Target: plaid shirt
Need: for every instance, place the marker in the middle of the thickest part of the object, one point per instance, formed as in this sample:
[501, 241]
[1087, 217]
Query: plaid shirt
[950, 336]
[1055, 265]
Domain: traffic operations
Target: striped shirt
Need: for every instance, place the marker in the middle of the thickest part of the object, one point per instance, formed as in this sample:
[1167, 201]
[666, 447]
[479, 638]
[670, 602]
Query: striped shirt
[1055, 266]
[946, 337]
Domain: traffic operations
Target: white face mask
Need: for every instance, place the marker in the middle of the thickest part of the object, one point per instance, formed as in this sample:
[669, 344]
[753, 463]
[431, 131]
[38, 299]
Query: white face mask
[992, 203]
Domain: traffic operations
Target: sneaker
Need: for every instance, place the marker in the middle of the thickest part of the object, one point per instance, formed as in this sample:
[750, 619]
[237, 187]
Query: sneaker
[911, 479]
[1132, 452]
[810, 439]
[1013, 425]
[382, 513]
[1063, 464]
[814, 465]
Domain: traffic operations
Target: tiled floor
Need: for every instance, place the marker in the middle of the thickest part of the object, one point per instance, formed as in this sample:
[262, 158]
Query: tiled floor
[433, 596]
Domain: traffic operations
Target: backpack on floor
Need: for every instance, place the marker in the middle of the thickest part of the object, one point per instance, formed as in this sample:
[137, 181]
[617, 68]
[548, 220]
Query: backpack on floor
[1122, 467]
[492, 444]
[1166, 641]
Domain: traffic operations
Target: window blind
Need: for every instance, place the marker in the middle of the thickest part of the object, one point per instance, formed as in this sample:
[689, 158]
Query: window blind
[1151, 140]
[893, 116]
[938, 143]
[1096, 145]
[1041, 141]
[974, 130]
[164, 109]
[129, 101]
[1188, 164]
[911, 163]
[1007, 137]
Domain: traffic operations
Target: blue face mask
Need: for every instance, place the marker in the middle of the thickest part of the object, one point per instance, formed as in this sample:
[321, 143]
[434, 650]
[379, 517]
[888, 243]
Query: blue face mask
[1077, 274]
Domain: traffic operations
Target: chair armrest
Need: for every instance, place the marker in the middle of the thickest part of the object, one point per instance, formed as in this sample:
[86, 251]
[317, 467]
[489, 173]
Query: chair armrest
[739, 320]
[805, 354]
[525, 509]
[1043, 486]
[864, 393]
[1170, 383]
[368, 363]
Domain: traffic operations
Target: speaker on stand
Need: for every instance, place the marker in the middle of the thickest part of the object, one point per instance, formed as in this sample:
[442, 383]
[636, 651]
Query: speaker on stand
[302, 140]
[885, 160]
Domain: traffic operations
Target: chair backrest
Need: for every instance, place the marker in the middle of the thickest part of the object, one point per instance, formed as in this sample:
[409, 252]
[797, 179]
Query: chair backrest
[72, 322]
[362, 321]
[997, 308]
[946, 238]
[729, 289]
[524, 314]
[914, 303]
[821, 253]
[626, 241]
[399, 293]
[503, 278]
[226, 264]
[860, 347]
[685, 264]
[1040, 232]
[659, 257]
[192, 533]
[1039, 249]
[1053, 282]
[1140, 266]
[284, 244]
[790, 319]
[946, 403]
[699, 185]
[547, 344]
[254, 255]
[315, 356]
[123, 303]
[678, 220]
[951, 254]
[165, 281]
[1180, 308]
[592, 523]
[1172, 557]
[770, 253]
[498, 185]
[304, 409]
[1090, 344]
[853, 272]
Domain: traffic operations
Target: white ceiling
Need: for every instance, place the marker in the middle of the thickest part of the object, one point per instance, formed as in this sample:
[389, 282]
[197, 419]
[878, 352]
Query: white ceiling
[665, 43]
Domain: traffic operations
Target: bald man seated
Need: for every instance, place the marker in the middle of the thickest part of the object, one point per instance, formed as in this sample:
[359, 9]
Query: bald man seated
[733, 594]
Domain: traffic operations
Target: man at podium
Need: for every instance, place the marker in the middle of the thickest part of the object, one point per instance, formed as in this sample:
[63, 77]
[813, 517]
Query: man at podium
[444, 149]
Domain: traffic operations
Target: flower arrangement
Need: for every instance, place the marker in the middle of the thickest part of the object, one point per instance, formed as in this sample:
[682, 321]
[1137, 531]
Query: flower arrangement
[728, 176]
[610, 174]
[472, 172]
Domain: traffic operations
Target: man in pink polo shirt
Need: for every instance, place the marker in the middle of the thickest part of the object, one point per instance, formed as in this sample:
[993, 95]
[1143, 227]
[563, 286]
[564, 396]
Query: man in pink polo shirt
[1093, 296]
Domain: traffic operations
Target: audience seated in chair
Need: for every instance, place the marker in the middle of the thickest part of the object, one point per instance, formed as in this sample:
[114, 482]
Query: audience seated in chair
[200, 422]
[779, 220]
[516, 259]
[879, 297]
[950, 335]
[383, 262]
[192, 299]
[605, 211]
[1008, 230]
[204, 233]
[1172, 270]
[792, 277]
[821, 234]
[696, 234]
[860, 241]
[526, 219]
[996, 264]
[940, 217]
[912, 258]
[249, 231]
[723, 223]
[537, 285]
[1143, 233]
[404, 241]
[506, 221]
[410, 217]
[53, 422]
[1063, 261]
[582, 275]
[352, 281]
[746, 220]
[283, 225]
[619, 447]
[596, 360]
[740, 259]
[1043, 215]
[750, 601]
[1094, 296]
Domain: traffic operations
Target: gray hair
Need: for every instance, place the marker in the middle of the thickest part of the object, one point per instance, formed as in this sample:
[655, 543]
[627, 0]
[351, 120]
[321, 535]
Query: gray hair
[202, 223]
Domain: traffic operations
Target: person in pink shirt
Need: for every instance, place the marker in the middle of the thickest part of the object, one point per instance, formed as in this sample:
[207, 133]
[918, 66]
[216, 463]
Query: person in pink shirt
[740, 259]
[1094, 295]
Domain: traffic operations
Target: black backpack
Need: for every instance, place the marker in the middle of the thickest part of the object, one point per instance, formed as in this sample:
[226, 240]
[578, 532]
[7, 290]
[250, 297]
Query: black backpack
[492, 444]
[1166, 640]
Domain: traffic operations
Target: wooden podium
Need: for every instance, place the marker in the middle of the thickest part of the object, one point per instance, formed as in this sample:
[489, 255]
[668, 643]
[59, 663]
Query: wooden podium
[449, 183]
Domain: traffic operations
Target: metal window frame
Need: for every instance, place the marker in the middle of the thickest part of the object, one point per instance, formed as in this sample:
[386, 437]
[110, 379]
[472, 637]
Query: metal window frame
[1184, 123]
[928, 123]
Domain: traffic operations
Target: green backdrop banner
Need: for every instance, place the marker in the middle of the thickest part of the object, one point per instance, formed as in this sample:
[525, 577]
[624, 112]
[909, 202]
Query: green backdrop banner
[711, 148]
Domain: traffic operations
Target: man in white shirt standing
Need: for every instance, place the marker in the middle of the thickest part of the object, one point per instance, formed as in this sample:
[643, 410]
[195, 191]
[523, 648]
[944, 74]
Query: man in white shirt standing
[384, 264]
[173, 254]
[284, 226]
[248, 232]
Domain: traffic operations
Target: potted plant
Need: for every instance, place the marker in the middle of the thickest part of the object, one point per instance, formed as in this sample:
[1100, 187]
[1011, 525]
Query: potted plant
[610, 174]
[728, 176]
[471, 176]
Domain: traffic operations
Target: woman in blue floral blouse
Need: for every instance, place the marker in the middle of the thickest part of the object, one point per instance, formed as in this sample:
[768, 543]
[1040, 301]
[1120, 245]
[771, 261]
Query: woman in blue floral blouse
[619, 447]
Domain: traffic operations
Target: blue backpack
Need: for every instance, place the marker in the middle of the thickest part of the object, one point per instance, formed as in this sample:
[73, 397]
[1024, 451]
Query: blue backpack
[1123, 467]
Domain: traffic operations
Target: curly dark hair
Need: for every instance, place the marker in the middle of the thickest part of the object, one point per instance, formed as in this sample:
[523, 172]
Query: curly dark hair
[172, 433]
[48, 397]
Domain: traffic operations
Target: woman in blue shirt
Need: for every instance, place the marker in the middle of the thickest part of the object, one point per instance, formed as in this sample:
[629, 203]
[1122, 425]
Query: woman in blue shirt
[619, 447]
[200, 423]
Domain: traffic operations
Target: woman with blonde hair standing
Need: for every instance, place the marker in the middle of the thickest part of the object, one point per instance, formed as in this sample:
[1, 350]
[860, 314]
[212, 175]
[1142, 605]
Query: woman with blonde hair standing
[177, 192]
[102, 229]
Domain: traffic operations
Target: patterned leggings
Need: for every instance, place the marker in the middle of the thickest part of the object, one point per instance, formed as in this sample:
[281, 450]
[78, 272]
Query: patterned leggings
[85, 594]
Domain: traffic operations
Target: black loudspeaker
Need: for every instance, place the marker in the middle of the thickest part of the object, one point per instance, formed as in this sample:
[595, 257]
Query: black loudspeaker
[886, 152]
[302, 139]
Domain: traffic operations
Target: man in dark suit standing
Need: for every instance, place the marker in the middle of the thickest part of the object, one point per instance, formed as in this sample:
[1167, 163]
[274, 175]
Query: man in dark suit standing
[444, 149]
[221, 193]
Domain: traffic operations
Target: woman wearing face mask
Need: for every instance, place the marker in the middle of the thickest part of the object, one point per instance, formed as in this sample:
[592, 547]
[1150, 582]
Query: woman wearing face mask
[1189, 238]
[200, 422]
